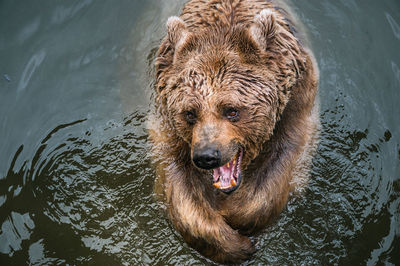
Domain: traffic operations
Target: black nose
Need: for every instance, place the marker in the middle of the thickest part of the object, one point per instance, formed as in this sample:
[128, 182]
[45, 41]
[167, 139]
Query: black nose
[207, 158]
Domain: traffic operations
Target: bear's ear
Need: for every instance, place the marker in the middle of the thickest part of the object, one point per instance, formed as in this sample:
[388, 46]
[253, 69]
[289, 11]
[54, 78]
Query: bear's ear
[264, 28]
[177, 36]
[177, 32]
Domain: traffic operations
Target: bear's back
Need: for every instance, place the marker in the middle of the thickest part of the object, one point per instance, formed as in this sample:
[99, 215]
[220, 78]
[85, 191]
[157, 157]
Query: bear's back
[201, 14]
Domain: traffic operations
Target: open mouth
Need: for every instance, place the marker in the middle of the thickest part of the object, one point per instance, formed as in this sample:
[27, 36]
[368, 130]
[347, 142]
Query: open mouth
[228, 177]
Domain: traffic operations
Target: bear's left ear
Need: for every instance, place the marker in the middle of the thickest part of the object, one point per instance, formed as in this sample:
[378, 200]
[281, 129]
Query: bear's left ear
[264, 28]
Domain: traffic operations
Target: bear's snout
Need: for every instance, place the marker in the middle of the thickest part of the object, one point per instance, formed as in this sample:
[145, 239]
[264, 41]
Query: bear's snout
[207, 157]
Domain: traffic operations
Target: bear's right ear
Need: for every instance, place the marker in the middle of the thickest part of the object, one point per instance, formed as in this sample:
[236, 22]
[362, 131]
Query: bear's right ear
[264, 28]
[173, 43]
[177, 32]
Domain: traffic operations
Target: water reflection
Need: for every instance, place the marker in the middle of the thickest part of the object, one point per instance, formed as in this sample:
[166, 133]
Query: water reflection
[15, 229]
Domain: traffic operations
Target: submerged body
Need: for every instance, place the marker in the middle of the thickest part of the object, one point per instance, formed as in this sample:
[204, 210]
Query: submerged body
[235, 121]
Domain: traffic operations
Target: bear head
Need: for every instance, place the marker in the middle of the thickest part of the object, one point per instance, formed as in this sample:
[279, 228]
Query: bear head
[223, 89]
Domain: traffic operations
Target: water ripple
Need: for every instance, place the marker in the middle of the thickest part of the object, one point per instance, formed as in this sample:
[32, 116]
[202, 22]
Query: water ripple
[30, 68]
[393, 24]
[63, 13]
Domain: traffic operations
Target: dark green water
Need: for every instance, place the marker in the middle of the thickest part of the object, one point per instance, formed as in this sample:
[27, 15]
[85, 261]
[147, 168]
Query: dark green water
[75, 176]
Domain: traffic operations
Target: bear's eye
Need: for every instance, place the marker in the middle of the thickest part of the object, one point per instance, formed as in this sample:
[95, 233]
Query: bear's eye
[232, 114]
[190, 117]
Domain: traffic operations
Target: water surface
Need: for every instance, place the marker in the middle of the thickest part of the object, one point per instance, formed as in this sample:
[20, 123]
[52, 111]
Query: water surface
[75, 175]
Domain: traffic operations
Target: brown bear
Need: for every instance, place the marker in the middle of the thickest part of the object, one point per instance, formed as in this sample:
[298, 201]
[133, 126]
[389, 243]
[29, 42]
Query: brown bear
[234, 121]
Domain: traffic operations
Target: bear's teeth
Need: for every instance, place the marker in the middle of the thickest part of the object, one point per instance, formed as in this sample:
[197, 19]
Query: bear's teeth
[233, 182]
[217, 185]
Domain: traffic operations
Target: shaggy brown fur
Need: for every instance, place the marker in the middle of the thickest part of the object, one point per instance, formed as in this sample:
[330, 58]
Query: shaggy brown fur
[231, 73]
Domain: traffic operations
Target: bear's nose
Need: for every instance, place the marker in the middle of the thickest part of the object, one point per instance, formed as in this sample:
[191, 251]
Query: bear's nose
[207, 157]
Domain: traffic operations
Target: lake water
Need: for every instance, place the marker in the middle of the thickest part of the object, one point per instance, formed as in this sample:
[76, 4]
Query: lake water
[75, 176]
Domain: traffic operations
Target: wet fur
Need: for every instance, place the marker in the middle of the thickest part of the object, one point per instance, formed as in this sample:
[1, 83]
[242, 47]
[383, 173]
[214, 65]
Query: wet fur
[244, 54]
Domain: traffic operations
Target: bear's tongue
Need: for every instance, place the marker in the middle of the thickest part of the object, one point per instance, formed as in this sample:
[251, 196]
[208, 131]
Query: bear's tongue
[227, 176]
[223, 176]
